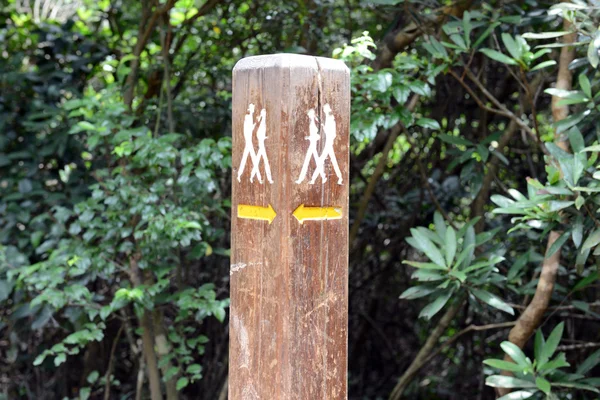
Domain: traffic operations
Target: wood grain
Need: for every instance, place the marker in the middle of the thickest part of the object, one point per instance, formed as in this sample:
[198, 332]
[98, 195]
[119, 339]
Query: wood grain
[289, 281]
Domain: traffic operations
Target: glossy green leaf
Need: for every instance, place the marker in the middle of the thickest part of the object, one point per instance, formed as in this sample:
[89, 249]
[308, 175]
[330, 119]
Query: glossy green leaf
[589, 363]
[492, 300]
[558, 244]
[544, 64]
[584, 84]
[450, 245]
[514, 352]
[497, 56]
[551, 343]
[503, 365]
[427, 247]
[435, 306]
[508, 382]
[543, 385]
[416, 292]
[517, 395]
[544, 35]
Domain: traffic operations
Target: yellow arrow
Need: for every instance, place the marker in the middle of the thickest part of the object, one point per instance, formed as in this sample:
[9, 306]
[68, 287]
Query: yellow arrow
[317, 213]
[256, 212]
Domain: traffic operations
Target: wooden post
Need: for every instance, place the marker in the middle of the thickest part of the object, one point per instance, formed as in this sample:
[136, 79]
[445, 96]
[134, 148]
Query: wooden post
[289, 229]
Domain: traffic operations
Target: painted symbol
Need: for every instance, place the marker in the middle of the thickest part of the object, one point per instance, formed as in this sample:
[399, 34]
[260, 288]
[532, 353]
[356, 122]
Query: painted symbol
[255, 157]
[303, 213]
[329, 127]
[256, 212]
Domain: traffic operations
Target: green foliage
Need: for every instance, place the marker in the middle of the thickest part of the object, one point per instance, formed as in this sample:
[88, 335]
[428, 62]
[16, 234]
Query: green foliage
[545, 373]
[371, 109]
[454, 266]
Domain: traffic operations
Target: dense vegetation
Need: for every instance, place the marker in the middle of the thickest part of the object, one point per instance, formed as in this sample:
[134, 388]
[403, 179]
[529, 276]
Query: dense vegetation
[475, 232]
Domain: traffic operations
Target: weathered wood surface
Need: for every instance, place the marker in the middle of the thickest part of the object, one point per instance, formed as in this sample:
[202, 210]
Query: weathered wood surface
[289, 281]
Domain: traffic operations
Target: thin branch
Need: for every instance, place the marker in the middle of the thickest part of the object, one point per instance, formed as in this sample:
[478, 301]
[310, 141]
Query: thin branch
[468, 329]
[505, 110]
[425, 181]
[167, 77]
[472, 93]
[111, 363]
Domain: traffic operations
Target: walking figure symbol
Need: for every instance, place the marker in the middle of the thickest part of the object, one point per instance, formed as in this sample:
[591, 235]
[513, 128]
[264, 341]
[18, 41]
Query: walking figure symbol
[261, 154]
[329, 127]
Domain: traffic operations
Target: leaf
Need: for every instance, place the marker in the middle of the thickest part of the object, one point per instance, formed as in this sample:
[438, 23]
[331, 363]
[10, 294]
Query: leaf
[566, 94]
[560, 205]
[544, 64]
[503, 365]
[585, 282]
[85, 393]
[383, 81]
[492, 300]
[559, 361]
[492, 261]
[401, 93]
[515, 353]
[565, 124]
[417, 292]
[512, 46]
[25, 186]
[497, 56]
[552, 343]
[574, 385]
[592, 240]
[558, 243]
[485, 34]
[432, 308]
[544, 35]
[577, 232]
[86, 126]
[423, 265]
[508, 382]
[440, 224]
[5, 289]
[427, 247]
[460, 275]
[455, 140]
[589, 363]
[182, 382]
[459, 40]
[427, 275]
[538, 344]
[576, 139]
[219, 314]
[592, 53]
[450, 245]
[93, 377]
[428, 123]
[59, 359]
[502, 201]
[420, 88]
[543, 385]
[517, 266]
[518, 395]
[585, 85]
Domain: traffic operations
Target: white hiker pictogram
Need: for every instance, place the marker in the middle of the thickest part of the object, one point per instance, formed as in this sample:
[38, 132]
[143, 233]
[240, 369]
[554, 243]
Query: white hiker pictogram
[255, 157]
[261, 134]
[329, 127]
[312, 152]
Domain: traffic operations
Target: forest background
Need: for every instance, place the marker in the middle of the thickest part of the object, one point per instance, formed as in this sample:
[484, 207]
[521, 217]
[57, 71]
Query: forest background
[474, 231]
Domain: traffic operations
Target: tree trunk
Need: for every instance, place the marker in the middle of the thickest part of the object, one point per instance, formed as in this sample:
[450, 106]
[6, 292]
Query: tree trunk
[427, 348]
[147, 335]
[531, 318]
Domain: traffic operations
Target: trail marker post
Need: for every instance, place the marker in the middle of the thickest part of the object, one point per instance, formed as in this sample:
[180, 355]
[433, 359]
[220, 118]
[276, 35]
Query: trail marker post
[289, 229]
